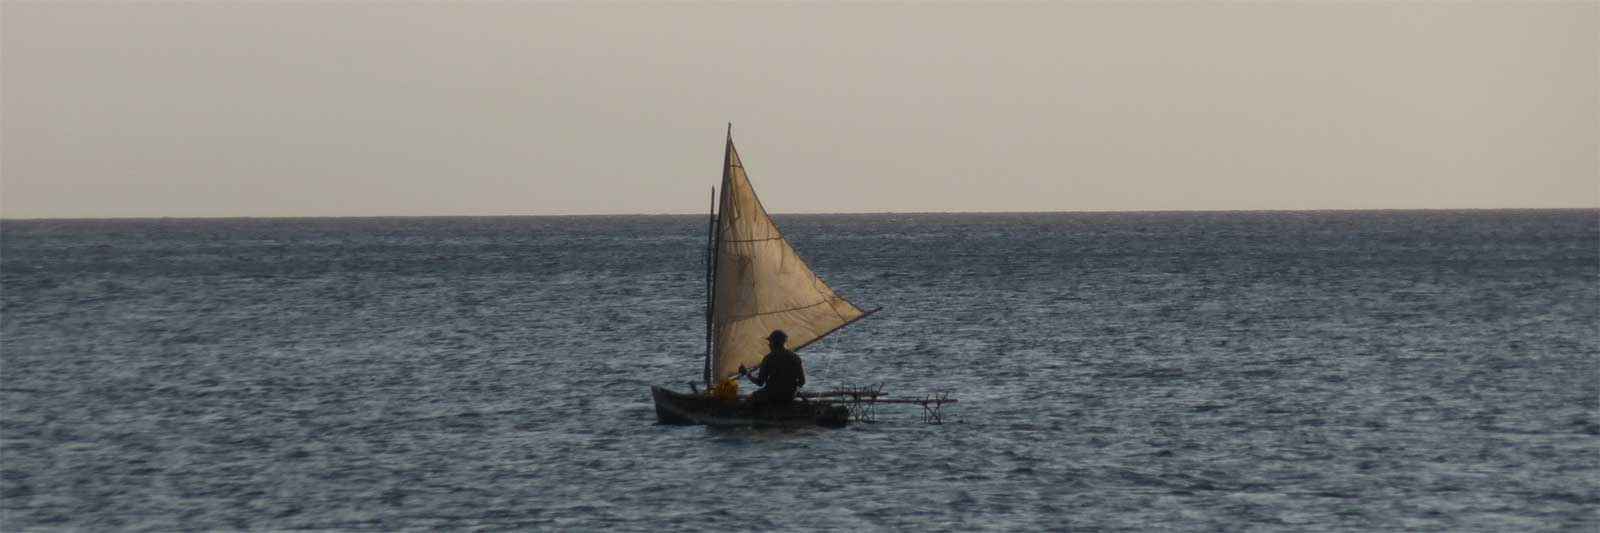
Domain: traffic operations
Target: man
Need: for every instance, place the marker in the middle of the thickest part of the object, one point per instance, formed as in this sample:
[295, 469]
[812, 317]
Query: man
[781, 374]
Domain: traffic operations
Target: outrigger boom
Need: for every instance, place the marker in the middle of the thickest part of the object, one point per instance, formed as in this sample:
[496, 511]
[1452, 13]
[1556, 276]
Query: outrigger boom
[860, 400]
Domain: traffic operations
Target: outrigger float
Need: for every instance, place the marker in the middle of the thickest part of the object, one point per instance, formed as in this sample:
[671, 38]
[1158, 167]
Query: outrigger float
[757, 283]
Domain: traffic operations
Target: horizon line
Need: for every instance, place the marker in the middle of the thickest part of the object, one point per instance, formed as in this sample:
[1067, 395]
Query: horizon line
[1106, 211]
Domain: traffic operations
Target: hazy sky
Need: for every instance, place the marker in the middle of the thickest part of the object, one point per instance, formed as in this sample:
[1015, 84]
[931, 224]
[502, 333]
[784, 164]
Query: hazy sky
[365, 108]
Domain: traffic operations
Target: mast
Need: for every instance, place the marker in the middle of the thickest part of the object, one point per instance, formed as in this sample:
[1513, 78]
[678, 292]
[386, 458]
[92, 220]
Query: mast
[711, 283]
[711, 258]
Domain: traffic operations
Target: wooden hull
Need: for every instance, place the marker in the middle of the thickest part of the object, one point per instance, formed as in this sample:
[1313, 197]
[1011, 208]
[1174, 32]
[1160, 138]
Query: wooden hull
[697, 409]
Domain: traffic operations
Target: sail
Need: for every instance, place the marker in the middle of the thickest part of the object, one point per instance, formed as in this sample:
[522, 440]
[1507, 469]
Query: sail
[761, 284]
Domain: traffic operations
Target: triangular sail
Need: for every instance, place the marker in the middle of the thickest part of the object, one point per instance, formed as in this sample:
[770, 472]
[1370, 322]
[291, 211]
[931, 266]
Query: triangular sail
[761, 283]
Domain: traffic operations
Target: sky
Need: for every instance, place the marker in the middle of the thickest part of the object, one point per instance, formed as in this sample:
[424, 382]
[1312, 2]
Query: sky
[327, 108]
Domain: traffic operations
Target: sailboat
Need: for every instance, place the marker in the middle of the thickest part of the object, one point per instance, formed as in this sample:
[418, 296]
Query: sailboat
[755, 283]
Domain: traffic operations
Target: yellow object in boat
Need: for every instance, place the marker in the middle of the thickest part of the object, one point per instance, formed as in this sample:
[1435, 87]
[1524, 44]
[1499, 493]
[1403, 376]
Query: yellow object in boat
[727, 390]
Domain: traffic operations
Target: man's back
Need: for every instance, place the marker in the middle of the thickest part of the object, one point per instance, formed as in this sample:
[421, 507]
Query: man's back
[782, 372]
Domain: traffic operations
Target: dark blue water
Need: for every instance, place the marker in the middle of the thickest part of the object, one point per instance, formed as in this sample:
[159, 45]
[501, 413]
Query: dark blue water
[1263, 371]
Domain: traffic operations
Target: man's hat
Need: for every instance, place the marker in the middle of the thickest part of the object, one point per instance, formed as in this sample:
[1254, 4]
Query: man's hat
[778, 335]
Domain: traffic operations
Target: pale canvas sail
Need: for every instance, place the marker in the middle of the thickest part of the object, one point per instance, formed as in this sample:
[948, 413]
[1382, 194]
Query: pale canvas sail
[761, 284]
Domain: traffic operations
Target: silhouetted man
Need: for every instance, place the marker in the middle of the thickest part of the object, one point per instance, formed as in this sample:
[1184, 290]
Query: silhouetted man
[781, 375]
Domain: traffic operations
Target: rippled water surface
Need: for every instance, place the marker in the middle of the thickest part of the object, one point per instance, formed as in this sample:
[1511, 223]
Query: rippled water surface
[1269, 371]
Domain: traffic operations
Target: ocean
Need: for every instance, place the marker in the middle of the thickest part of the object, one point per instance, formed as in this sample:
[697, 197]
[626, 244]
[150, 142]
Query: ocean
[1256, 371]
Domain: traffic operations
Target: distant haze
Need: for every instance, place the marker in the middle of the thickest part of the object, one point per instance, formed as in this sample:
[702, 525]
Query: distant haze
[364, 108]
